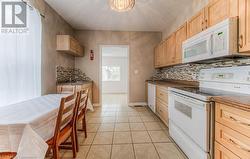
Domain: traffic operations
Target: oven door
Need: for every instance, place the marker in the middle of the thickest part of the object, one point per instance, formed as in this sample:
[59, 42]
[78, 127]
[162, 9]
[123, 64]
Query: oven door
[192, 117]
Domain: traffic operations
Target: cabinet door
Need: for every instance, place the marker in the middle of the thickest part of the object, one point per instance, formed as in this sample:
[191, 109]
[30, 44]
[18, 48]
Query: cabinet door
[171, 49]
[161, 54]
[180, 36]
[223, 153]
[157, 58]
[196, 23]
[219, 10]
[236, 142]
[244, 26]
[164, 53]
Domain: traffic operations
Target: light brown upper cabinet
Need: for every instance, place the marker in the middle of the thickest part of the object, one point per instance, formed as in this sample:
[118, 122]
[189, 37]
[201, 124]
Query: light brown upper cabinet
[244, 26]
[170, 50]
[164, 53]
[196, 23]
[219, 10]
[157, 56]
[180, 36]
[67, 44]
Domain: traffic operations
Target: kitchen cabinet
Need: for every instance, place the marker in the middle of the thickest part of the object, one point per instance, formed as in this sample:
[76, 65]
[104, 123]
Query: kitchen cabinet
[160, 55]
[67, 44]
[162, 103]
[165, 53]
[219, 10]
[170, 50]
[180, 37]
[232, 132]
[196, 25]
[223, 153]
[244, 26]
[157, 57]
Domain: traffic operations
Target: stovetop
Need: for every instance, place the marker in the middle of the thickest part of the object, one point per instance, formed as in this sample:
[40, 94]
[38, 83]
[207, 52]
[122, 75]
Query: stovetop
[204, 94]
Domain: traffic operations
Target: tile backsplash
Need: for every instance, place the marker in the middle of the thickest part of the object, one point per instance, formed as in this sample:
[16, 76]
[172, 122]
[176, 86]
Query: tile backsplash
[69, 74]
[190, 72]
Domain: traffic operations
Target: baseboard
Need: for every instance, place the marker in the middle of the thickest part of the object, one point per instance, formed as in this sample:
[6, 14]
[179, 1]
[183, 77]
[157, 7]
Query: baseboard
[138, 103]
[96, 104]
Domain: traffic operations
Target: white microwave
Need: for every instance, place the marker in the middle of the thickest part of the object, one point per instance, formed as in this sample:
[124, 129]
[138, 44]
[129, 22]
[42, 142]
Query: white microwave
[217, 41]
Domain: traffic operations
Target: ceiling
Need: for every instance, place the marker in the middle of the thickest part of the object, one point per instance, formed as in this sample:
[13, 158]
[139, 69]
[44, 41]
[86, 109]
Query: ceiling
[147, 15]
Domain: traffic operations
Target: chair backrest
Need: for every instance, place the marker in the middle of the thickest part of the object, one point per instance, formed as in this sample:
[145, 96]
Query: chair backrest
[67, 113]
[67, 89]
[83, 102]
[7, 155]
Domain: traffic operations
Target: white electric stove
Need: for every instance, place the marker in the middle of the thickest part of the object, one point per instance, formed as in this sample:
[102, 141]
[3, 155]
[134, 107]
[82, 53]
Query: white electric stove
[191, 110]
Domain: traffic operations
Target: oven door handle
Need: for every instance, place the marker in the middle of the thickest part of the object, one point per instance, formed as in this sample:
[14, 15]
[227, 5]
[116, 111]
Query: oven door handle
[193, 101]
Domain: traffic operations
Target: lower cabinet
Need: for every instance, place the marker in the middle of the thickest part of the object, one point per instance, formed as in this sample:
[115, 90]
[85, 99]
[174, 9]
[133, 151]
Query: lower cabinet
[223, 153]
[162, 103]
[232, 129]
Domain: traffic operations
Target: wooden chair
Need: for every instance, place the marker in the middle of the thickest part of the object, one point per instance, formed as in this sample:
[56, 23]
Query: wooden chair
[65, 128]
[83, 101]
[7, 155]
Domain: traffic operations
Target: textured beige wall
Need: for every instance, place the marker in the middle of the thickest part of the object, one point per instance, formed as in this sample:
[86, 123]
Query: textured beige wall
[191, 10]
[52, 25]
[141, 57]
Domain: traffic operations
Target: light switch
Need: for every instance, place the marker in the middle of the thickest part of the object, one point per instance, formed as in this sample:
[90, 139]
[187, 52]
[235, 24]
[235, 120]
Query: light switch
[136, 72]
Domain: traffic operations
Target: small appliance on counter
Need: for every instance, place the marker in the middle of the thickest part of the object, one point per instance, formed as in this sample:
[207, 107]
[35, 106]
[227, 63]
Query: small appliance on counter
[191, 110]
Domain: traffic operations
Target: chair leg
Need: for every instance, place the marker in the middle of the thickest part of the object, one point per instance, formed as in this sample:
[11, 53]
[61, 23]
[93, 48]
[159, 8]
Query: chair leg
[56, 152]
[84, 125]
[73, 144]
[76, 139]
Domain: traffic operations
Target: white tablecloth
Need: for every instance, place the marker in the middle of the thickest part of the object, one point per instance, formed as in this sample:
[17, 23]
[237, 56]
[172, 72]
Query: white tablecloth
[25, 127]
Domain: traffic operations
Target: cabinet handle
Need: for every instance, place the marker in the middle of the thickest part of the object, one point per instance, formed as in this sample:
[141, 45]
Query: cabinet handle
[240, 122]
[241, 41]
[206, 23]
[238, 146]
[235, 120]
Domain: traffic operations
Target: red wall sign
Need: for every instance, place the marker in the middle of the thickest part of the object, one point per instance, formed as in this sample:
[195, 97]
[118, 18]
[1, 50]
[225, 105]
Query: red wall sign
[91, 55]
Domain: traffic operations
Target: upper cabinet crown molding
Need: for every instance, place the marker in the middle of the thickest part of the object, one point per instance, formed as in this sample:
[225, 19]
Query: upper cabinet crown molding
[70, 45]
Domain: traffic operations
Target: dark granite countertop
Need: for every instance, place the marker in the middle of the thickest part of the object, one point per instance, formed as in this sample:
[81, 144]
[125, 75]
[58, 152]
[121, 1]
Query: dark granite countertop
[75, 83]
[238, 100]
[241, 102]
[173, 83]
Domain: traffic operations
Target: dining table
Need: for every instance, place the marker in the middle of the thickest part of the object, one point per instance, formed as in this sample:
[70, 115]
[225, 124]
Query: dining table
[26, 126]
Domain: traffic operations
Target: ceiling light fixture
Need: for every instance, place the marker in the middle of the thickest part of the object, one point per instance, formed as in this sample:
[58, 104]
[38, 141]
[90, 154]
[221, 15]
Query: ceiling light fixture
[121, 5]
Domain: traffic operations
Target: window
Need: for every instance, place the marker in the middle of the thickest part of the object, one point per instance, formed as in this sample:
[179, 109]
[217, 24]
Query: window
[20, 62]
[111, 73]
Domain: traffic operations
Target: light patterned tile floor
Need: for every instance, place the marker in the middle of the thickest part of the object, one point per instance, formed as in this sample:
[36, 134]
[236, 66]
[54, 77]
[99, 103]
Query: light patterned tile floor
[117, 131]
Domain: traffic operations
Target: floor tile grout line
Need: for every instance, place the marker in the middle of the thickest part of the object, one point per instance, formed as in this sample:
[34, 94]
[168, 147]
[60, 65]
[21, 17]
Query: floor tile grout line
[112, 145]
[92, 143]
[156, 151]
